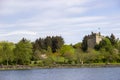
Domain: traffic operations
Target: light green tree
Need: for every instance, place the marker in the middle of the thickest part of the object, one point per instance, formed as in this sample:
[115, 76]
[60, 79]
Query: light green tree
[23, 52]
[6, 52]
[68, 52]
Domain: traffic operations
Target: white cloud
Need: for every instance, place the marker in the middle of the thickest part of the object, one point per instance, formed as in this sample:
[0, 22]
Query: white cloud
[118, 24]
[5, 25]
[19, 33]
[77, 10]
[59, 21]
[15, 6]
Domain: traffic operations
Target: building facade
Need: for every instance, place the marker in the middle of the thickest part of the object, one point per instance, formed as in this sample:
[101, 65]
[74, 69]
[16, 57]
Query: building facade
[93, 39]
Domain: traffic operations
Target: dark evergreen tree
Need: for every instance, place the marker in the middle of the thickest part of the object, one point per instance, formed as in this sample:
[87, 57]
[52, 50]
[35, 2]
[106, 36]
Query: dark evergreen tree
[36, 46]
[112, 39]
[84, 43]
[41, 43]
[54, 43]
[48, 42]
[57, 43]
[97, 47]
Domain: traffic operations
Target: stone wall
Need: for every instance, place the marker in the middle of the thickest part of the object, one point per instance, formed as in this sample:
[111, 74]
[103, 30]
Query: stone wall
[94, 39]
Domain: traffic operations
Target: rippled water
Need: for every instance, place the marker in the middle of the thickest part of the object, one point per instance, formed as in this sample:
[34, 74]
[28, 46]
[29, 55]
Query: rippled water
[62, 74]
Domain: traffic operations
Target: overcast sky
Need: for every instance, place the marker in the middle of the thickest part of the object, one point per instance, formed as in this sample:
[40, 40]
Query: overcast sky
[71, 19]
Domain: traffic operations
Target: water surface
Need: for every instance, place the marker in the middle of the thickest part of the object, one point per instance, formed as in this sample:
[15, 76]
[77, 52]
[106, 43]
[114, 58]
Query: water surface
[62, 74]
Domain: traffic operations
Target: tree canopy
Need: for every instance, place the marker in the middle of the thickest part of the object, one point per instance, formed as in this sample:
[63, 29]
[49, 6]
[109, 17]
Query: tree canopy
[52, 50]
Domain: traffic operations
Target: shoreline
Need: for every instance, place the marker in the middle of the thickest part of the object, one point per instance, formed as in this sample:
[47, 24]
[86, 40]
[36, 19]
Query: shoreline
[24, 67]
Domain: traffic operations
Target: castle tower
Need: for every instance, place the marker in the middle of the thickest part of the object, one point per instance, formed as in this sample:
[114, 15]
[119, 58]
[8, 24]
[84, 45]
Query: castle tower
[94, 39]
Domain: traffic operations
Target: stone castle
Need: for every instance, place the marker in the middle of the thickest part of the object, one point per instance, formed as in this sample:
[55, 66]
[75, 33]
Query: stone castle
[93, 39]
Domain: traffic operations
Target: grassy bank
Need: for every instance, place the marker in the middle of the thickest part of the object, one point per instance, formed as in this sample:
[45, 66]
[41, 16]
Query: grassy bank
[93, 65]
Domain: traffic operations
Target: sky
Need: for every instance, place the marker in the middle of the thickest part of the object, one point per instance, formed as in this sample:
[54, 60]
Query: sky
[71, 19]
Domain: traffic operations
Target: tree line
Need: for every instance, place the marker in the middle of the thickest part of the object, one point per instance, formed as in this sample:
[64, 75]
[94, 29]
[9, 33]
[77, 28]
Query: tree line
[52, 50]
[24, 51]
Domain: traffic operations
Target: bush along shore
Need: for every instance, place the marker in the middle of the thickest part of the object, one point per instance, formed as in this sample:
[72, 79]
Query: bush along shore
[14, 67]
[24, 67]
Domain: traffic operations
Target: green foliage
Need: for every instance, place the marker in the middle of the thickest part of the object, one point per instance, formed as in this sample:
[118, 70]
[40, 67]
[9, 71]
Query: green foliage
[118, 46]
[48, 42]
[48, 61]
[23, 52]
[60, 60]
[106, 44]
[77, 46]
[68, 52]
[6, 52]
[84, 43]
[80, 56]
[67, 49]
[50, 51]
[113, 40]
[97, 47]
[36, 55]
[91, 56]
[55, 43]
